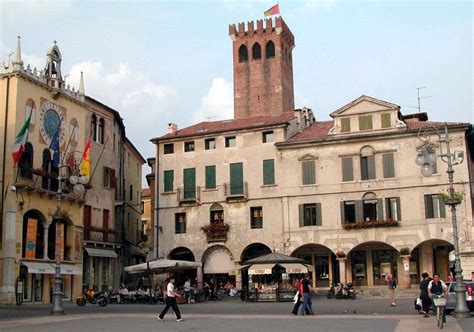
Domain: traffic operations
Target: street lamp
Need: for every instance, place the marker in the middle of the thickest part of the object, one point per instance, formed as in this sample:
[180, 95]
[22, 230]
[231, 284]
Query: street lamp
[426, 158]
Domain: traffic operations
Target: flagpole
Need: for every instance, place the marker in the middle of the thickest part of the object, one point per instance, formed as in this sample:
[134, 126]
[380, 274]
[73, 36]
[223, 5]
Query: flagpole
[69, 141]
[98, 159]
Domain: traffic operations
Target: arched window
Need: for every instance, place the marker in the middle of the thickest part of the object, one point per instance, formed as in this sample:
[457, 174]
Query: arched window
[52, 239]
[243, 54]
[217, 213]
[256, 51]
[46, 166]
[270, 50]
[33, 235]
[100, 133]
[26, 162]
[94, 127]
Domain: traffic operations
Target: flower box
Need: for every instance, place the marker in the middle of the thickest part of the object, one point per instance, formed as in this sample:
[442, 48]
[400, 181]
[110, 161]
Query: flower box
[371, 224]
[216, 231]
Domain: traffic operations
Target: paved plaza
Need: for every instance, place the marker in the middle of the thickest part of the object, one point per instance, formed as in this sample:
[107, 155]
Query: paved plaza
[331, 315]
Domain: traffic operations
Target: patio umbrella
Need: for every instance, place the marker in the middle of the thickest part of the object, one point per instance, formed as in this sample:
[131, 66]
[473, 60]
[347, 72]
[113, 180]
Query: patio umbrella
[162, 265]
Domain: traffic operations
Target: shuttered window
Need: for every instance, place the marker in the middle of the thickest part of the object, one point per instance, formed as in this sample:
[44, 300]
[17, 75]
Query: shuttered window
[365, 122]
[211, 177]
[346, 125]
[236, 179]
[169, 148]
[310, 214]
[388, 166]
[367, 168]
[180, 223]
[434, 207]
[392, 208]
[347, 169]
[269, 171]
[168, 180]
[309, 176]
[189, 176]
[386, 120]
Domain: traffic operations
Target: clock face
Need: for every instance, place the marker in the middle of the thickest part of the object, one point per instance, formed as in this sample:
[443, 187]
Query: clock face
[51, 117]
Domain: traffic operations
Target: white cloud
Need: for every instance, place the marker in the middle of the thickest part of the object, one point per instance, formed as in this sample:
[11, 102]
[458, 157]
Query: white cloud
[8, 54]
[32, 11]
[218, 103]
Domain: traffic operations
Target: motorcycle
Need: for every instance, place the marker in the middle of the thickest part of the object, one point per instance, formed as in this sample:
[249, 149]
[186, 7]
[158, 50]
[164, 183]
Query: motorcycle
[97, 298]
[346, 292]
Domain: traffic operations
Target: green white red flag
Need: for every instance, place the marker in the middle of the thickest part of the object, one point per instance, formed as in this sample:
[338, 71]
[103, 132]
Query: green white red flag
[18, 145]
[272, 11]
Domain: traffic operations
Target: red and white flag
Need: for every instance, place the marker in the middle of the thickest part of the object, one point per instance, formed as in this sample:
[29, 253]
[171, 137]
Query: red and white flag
[18, 145]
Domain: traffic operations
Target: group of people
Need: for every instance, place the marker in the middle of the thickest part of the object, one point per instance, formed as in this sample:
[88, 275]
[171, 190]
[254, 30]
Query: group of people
[302, 297]
[430, 288]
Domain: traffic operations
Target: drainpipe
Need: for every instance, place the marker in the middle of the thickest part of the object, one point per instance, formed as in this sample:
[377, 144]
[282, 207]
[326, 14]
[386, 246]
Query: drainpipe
[155, 205]
[4, 156]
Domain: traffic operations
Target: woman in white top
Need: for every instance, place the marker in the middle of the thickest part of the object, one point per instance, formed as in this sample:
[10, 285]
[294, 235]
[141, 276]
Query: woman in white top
[171, 301]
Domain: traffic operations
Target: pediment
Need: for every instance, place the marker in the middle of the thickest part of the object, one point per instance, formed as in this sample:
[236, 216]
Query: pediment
[307, 156]
[364, 104]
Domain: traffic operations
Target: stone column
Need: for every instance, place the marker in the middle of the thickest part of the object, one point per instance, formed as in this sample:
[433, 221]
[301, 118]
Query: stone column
[45, 240]
[199, 276]
[406, 271]
[238, 276]
[8, 287]
[342, 269]
[370, 267]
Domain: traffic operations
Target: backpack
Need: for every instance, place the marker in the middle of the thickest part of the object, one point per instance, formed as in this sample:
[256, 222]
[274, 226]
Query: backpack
[393, 283]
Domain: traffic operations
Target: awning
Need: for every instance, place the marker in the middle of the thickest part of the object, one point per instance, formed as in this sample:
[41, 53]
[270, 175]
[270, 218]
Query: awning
[218, 261]
[50, 268]
[162, 265]
[295, 268]
[261, 269]
[136, 251]
[101, 252]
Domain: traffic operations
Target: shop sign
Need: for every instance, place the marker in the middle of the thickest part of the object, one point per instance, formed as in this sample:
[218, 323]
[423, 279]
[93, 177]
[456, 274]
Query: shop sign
[30, 245]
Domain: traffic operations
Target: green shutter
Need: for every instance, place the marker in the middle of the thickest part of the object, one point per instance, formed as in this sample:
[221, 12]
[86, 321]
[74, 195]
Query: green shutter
[359, 210]
[343, 213]
[168, 180]
[365, 122]
[211, 177]
[388, 166]
[347, 169]
[442, 209]
[269, 171]
[371, 167]
[364, 173]
[309, 172]
[301, 214]
[346, 125]
[399, 209]
[319, 217]
[236, 179]
[387, 208]
[379, 209]
[428, 207]
[189, 176]
[386, 120]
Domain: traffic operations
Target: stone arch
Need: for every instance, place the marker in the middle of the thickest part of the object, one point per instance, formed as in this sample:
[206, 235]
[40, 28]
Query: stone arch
[366, 150]
[217, 259]
[33, 244]
[432, 256]
[216, 213]
[182, 254]
[243, 53]
[323, 260]
[254, 250]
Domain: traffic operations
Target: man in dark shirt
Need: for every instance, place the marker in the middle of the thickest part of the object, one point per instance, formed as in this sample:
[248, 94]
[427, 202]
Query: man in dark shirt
[306, 299]
[424, 296]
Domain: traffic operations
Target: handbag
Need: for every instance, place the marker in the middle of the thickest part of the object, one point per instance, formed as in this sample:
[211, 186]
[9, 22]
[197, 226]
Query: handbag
[418, 301]
[295, 299]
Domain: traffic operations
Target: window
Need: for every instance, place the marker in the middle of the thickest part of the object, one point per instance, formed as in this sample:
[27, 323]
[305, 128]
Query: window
[26, 162]
[131, 192]
[236, 179]
[365, 122]
[309, 171]
[189, 178]
[392, 208]
[310, 214]
[346, 125]
[100, 134]
[168, 177]
[269, 171]
[372, 208]
[243, 54]
[270, 50]
[256, 217]
[46, 166]
[367, 168]
[434, 207]
[348, 212]
[267, 136]
[388, 166]
[189, 146]
[230, 141]
[347, 169]
[106, 177]
[211, 177]
[180, 223]
[256, 51]
[216, 214]
[168, 148]
[210, 143]
[94, 127]
[386, 120]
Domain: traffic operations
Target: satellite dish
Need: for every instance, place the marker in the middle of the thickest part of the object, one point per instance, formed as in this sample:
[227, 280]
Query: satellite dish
[83, 179]
[79, 189]
[73, 179]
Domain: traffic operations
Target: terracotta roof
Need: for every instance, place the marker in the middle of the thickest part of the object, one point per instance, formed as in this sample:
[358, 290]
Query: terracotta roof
[414, 124]
[214, 127]
[318, 131]
[146, 192]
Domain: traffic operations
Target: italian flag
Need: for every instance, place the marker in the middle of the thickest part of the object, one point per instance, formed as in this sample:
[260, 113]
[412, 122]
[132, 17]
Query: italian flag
[272, 11]
[85, 168]
[18, 145]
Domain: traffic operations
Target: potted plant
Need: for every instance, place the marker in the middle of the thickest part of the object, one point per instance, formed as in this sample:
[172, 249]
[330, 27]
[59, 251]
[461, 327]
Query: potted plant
[451, 197]
[340, 253]
[216, 231]
[405, 251]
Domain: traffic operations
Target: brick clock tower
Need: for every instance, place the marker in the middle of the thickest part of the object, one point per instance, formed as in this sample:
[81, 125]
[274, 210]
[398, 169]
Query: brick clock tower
[263, 68]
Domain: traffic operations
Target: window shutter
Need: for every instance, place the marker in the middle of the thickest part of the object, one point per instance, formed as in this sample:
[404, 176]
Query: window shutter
[309, 172]
[386, 122]
[343, 213]
[371, 167]
[345, 125]
[236, 178]
[388, 166]
[319, 219]
[364, 174]
[301, 214]
[428, 207]
[379, 209]
[359, 210]
[189, 176]
[442, 209]
[105, 177]
[113, 179]
[269, 171]
[210, 177]
[399, 210]
[168, 179]
[387, 208]
[347, 169]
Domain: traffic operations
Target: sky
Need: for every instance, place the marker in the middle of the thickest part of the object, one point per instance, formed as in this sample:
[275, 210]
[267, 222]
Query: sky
[158, 62]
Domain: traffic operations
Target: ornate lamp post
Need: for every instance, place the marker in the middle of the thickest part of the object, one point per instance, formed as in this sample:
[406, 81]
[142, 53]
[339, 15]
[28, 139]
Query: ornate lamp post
[426, 158]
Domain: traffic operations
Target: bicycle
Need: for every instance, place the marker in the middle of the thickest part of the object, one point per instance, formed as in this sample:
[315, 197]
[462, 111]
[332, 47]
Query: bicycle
[440, 303]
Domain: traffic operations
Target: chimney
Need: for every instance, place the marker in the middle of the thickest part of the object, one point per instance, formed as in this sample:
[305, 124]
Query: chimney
[172, 128]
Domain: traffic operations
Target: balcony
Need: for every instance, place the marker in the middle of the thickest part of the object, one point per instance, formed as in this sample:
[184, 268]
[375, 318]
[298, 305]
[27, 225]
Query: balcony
[189, 196]
[233, 192]
[216, 231]
[95, 234]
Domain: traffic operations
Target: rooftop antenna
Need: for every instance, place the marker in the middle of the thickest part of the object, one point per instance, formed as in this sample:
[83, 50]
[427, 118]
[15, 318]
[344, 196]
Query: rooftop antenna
[419, 98]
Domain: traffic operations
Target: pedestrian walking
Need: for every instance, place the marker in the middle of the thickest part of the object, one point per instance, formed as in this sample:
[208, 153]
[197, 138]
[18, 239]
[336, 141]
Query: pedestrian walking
[171, 301]
[307, 303]
[424, 294]
[187, 290]
[299, 292]
[392, 286]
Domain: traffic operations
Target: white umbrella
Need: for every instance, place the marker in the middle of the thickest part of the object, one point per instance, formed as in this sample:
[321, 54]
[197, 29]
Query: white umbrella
[162, 265]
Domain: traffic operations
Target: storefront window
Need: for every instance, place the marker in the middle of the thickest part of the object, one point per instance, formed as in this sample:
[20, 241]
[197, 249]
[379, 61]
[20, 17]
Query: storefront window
[384, 263]
[105, 274]
[37, 287]
[322, 271]
[359, 268]
[96, 267]
[414, 267]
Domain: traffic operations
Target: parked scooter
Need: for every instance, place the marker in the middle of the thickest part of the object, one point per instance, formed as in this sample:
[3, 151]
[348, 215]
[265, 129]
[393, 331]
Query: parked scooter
[346, 292]
[332, 291]
[93, 298]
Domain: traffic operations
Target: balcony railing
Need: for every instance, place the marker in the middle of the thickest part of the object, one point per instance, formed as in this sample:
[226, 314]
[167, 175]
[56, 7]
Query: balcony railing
[188, 195]
[99, 234]
[236, 191]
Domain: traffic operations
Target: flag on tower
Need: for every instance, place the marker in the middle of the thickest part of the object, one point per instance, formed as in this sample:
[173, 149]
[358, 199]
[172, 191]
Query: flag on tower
[85, 168]
[55, 146]
[272, 11]
[18, 145]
